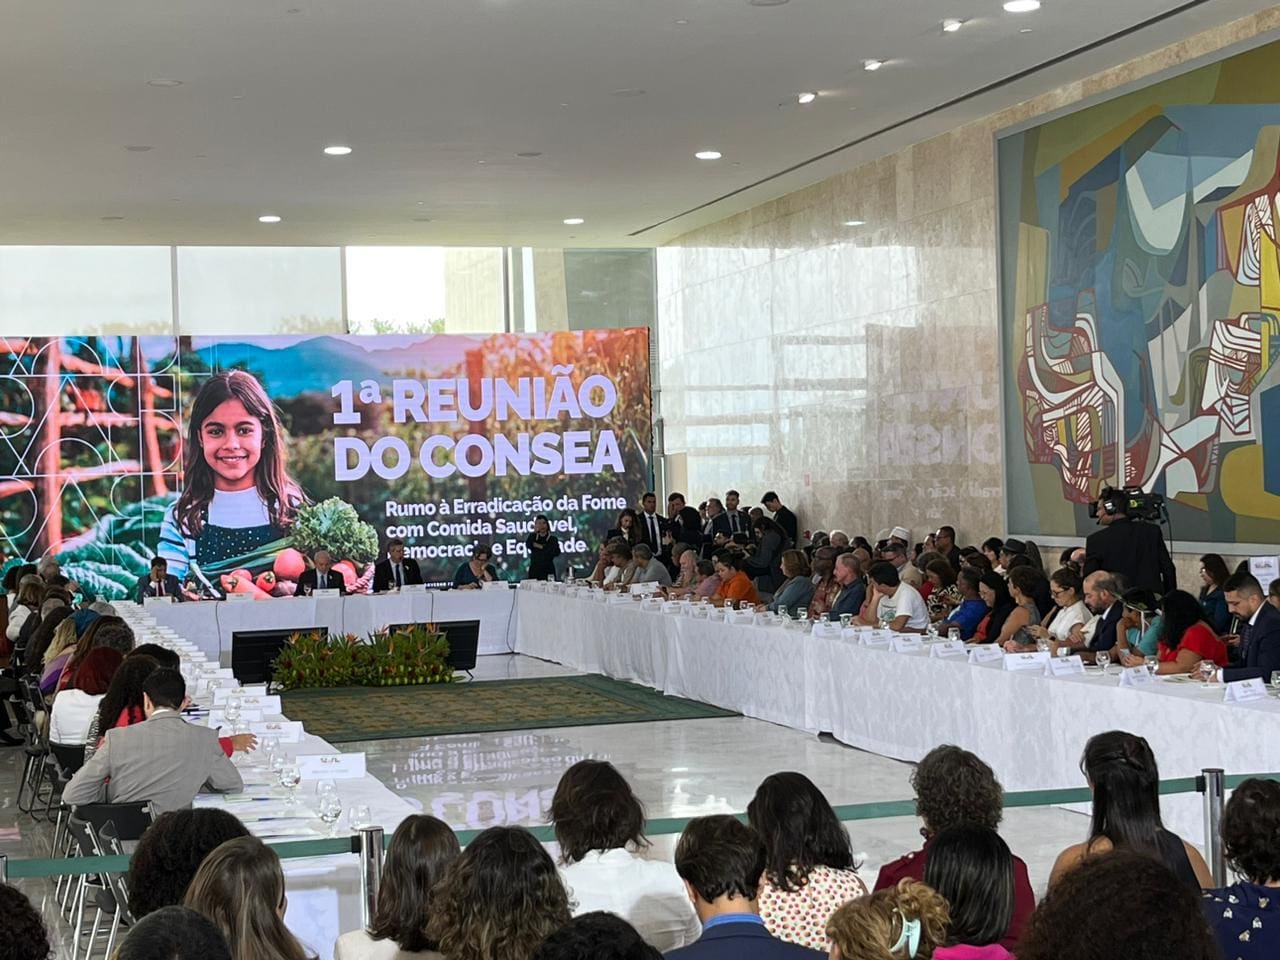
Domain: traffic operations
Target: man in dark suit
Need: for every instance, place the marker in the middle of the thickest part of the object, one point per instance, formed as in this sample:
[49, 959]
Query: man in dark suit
[683, 521]
[397, 570]
[1102, 597]
[782, 516]
[159, 583]
[853, 590]
[720, 861]
[944, 541]
[321, 577]
[737, 519]
[1132, 549]
[1255, 653]
[652, 525]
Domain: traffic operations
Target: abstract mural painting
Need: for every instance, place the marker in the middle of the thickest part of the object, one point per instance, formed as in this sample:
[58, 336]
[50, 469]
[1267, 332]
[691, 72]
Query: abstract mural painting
[1140, 273]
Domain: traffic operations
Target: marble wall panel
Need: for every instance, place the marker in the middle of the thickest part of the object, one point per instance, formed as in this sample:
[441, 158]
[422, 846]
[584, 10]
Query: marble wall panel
[862, 379]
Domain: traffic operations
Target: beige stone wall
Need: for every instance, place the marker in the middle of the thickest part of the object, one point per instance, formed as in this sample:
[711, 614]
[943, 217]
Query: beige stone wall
[856, 370]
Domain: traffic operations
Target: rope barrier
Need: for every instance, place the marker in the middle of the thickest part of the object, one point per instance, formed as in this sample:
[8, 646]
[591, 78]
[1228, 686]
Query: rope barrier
[877, 810]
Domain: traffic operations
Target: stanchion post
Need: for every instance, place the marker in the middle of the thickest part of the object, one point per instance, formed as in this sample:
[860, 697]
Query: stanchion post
[370, 872]
[4, 868]
[1213, 783]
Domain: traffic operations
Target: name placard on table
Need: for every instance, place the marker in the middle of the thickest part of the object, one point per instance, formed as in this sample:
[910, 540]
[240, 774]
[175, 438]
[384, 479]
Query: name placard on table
[1026, 661]
[156, 601]
[986, 653]
[239, 597]
[947, 648]
[327, 593]
[1072, 666]
[825, 628]
[1136, 677]
[289, 731]
[223, 694]
[907, 645]
[1243, 691]
[332, 766]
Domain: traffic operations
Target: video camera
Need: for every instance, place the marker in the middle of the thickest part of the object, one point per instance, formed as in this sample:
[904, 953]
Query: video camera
[1131, 501]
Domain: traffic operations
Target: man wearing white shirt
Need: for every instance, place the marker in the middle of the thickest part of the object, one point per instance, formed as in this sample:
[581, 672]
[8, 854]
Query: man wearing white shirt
[899, 605]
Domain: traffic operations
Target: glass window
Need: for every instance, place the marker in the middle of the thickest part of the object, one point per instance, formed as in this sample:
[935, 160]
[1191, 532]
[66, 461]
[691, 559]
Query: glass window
[260, 290]
[425, 289]
[90, 291]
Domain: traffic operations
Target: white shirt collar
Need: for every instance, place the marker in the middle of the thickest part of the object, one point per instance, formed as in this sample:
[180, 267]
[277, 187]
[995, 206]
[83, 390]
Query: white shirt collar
[1256, 613]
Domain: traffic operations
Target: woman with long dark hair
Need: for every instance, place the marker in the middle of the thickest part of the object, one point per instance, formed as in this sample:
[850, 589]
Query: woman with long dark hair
[420, 851]
[1122, 773]
[627, 527]
[1213, 574]
[995, 594]
[972, 867]
[1185, 637]
[809, 867]
[121, 705]
[499, 899]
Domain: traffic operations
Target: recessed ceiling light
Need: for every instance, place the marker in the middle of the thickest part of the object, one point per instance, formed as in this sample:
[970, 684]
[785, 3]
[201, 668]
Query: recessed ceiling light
[807, 97]
[238, 96]
[1025, 30]
[137, 148]
[951, 26]
[573, 221]
[529, 154]
[268, 218]
[872, 65]
[855, 223]
[682, 23]
[708, 154]
[337, 150]
[163, 82]
[1021, 6]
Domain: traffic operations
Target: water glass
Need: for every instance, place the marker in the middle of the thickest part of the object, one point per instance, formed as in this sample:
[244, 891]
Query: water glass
[1042, 644]
[953, 634]
[358, 816]
[270, 747]
[1275, 681]
[330, 809]
[784, 613]
[290, 777]
[845, 620]
[1103, 659]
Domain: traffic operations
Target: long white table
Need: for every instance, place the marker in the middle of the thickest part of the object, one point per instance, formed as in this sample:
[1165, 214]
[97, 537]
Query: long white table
[325, 898]
[211, 624]
[1030, 728]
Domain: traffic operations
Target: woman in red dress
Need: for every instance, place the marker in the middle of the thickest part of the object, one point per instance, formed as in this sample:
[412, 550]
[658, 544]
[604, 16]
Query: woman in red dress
[1186, 637]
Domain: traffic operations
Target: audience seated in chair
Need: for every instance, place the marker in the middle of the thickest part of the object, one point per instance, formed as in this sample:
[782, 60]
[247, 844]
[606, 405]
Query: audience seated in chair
[499, 899]
[721, 862]
[1126, 811]
[171, 851]
[955, 788]
[1123, 905]
[421, 850]
[25, 936]
[174, 933]
[240, 887]
[164, 760]
[809, 865]
[1245, 916]
[971, 867]
[596, 936]
[902, 922]
[599, 825]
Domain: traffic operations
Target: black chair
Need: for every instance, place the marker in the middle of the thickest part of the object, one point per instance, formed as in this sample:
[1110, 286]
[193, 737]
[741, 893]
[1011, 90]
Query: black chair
[67, 758]
[117, 891]
[35, 746]
[130, 820]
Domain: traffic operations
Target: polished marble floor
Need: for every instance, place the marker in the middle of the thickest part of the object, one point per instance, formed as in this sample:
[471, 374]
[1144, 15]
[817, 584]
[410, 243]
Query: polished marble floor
[678, 768]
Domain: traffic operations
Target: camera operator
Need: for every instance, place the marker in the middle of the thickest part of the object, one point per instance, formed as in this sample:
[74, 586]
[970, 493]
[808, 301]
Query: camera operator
[1134, 549]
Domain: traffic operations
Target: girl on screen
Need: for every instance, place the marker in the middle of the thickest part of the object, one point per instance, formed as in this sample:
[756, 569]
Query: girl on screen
[237, 494]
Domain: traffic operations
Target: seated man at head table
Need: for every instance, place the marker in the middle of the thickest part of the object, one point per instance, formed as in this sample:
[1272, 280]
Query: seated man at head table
[322, 576]
[158, 583]
[396, 570]
[164, 759]
[1255, 653]
[648, 569]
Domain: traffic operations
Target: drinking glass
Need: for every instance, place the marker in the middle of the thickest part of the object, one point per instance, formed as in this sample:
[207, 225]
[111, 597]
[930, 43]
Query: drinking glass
[953, 634]
[1275, 681]
[1042, 644]
[802, 614]
[325, 788]
[290, 777]
[1103, 659]
[358, 816]
[232, 711]
[845, 620]
[270, 747]
[330, 810]
[784, 613]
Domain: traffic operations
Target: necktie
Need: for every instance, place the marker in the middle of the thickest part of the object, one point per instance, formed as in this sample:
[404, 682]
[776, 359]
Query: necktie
[159, 588]
[399, 581]
[653, 528]
[733, 521]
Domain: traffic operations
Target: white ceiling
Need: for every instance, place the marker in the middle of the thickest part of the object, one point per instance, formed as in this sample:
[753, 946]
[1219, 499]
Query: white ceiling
[438, 96]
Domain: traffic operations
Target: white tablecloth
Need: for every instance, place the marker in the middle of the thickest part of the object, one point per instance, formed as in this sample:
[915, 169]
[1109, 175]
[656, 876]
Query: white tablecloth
[324, 894]
[1030, 728]
[211, 624]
